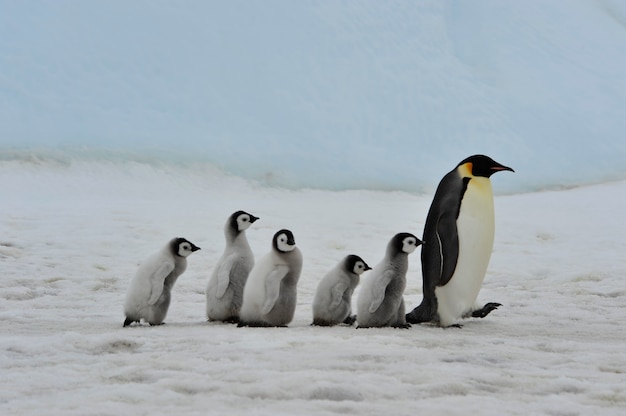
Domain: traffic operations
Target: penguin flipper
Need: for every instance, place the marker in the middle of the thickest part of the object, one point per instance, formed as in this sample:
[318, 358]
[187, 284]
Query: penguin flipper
[379, 289]
[272, 288]
[224, 272]
[336, 295]
[448, 240]
[157, 279]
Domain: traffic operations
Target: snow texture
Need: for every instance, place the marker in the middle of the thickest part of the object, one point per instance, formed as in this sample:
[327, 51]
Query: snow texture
[124, 124]
[71, 237]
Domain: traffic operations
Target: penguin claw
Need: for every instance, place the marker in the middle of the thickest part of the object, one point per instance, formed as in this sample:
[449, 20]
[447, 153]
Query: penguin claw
[350, 320]
[485, 310]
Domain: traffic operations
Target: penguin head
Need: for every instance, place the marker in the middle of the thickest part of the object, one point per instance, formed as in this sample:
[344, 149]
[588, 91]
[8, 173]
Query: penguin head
[481, 165]
[284, 241]
[355, 264]
[182, 247]
[405, 243]
[241, 220]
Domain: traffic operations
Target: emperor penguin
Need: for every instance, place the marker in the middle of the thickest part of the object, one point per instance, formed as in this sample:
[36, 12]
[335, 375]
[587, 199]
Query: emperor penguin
[149, 293]
[332, 304]
[381, 297]
[224, 293]
[459, 232]
[269, 296]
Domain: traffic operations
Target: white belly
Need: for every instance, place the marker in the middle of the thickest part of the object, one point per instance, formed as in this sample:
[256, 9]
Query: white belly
[476, 227]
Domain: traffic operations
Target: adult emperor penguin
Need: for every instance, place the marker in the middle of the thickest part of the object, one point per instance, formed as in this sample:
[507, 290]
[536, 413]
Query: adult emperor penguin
[269, 297]
[332, 303]
[224, 293]
[381, 297]
[149, 293]
[459, 232]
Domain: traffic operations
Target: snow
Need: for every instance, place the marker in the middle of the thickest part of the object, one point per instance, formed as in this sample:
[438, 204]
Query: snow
[332, 95]
[124, 124]
[72, 235]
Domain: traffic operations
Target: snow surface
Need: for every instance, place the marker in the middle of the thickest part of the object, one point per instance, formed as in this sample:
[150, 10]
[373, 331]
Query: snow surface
[330, 94]
[73, 234]
[118, 120]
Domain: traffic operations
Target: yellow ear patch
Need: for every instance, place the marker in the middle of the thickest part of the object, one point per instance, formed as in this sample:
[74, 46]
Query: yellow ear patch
[465, 170]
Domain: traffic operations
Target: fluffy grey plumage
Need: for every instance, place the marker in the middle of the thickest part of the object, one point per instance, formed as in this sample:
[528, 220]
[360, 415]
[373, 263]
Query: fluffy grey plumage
[332, 304]
[269, 297]
[381, 298]
[149, 293]
[224, 294]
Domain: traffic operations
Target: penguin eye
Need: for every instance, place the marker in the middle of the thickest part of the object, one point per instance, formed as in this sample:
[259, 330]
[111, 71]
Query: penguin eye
[244, 219]
[186, 247]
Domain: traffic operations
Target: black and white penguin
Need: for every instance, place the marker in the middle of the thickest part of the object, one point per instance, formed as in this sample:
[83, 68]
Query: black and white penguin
[459, 233]
[224, 293]
[269, 297]
[149, 293]
[381, 296]
[332, 304]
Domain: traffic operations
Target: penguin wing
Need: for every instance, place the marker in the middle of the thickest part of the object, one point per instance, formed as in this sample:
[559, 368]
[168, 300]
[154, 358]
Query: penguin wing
[448, 240]
[272, 287]
[336, 294]
[224, 272]
[378, 290]
[157, 278]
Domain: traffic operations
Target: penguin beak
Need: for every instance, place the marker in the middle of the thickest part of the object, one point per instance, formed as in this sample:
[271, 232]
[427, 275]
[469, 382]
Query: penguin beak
[194, 248]
[253, 219]
[499, 168]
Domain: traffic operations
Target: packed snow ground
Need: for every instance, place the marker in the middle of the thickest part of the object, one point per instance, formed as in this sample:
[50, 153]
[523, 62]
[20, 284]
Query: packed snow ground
[71, 236]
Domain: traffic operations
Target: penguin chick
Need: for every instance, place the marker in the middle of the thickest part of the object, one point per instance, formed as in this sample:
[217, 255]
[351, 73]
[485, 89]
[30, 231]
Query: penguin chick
[459, 230]
[333, 297]
[149, 293]
[269, 296]
[224, 293]
[381, 298]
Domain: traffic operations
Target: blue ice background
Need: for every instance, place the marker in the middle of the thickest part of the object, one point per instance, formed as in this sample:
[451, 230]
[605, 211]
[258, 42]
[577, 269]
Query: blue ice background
[330, 94]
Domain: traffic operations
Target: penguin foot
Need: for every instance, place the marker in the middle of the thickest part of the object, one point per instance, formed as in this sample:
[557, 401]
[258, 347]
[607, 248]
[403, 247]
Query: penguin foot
[485, 310]
[259, 324]
[321, 322]
[402, 326]
[129, 321]
[424, 312]
[159, 324]
[232, 320]
[350, 320]
[459, 326]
